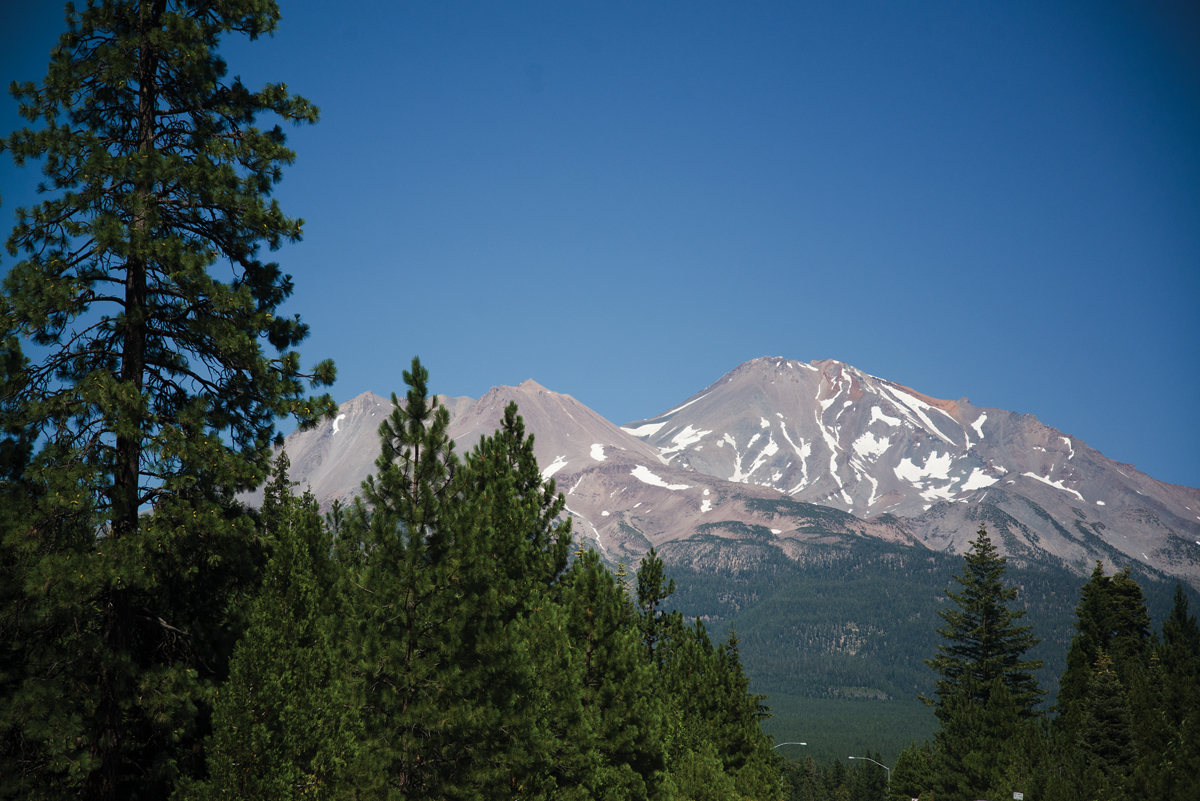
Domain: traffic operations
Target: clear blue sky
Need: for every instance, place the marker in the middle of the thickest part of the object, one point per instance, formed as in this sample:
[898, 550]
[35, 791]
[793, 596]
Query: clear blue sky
[623, 201]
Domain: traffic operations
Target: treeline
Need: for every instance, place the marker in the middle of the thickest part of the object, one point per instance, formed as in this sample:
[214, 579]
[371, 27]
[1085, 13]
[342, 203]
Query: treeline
[433, 640]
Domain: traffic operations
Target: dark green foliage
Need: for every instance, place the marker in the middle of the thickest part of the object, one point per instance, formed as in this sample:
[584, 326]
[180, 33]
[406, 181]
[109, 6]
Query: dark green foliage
[983, 645]
[912, 776]
[151, 392]
[1110, 700]
[401, 591]
[1105, 730]
[485, 667]
[709, 704]
[985, 748]
[282, 724]
[987, 691]
[621, 731]
[1111, 618]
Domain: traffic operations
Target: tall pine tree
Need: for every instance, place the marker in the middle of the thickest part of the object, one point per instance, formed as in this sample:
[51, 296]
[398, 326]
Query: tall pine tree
[155, 388]
[462, 652]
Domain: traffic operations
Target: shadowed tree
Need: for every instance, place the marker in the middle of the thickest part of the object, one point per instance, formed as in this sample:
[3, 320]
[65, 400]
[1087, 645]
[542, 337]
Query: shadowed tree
[159, 368]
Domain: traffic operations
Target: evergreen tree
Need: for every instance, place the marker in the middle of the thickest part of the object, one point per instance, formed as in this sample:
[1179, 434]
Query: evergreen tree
[987, 691]
[1169, 764]
[652, 590]
[869, 781]
[1111, 618]
[400, 599]
[803, 780]
[913, 772]
[619, 738]
[282, 724]
[1105, 730]
[983, 642]
[460, 648]
[151, 390]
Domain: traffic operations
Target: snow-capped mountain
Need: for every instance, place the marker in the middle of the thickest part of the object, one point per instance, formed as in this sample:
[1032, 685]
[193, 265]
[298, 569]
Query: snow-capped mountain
[829, 434]
[778, 455]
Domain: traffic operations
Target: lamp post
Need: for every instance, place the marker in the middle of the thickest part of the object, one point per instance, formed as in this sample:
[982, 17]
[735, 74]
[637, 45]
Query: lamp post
[880, 764]
[783, 744]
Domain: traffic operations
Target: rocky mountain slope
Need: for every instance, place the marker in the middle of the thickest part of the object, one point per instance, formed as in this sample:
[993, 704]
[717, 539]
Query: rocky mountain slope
[829, 434]
[780, 456]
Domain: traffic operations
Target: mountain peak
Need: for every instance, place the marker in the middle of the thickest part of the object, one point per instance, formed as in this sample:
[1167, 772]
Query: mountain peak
[775, 438]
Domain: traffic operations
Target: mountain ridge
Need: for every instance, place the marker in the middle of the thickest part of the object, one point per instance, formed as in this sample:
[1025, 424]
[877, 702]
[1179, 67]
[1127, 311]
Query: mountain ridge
[751, 464]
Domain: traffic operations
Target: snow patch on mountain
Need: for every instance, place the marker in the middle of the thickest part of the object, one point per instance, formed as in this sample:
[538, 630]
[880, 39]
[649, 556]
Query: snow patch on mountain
[769, 450]
[598, 452]
[558, 464]
[877, 414]
[643, 474]
[688, 436]
[649, 429]
[1056, 485]
[337, 420]
[978, 480]
[936, 466]
[869, 446]
[915, 409]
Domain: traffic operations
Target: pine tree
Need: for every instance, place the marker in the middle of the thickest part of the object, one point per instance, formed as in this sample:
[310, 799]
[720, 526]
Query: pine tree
[400, 597]
[463, 654]
[983, 642]
[619, 738]
[151, 390]
[283, 727]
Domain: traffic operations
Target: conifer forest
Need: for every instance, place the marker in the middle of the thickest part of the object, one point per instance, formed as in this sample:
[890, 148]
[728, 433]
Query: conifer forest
[440, 637]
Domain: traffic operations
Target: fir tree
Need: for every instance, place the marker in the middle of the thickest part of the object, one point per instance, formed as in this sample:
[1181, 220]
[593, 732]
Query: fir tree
[983, 642]
[1169, 764]
[1111, 618]
[987, 691]
[1105, 729]
[152, 389]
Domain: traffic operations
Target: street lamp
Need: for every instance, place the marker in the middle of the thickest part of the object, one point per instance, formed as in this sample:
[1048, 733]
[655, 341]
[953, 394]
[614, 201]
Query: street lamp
[783, 744]
[880, 764]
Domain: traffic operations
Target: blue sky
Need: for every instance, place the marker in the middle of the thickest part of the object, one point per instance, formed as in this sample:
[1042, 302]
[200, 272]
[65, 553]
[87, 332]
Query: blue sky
[623, 201]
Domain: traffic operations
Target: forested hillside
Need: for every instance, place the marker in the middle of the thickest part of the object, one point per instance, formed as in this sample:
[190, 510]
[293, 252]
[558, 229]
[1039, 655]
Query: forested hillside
[838, 642]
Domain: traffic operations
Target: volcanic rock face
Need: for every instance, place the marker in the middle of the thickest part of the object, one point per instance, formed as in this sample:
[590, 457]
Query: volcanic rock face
[778, 455]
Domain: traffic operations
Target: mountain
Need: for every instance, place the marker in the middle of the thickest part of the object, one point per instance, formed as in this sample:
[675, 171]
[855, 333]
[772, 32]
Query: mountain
[829, 434]
[784, 458]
